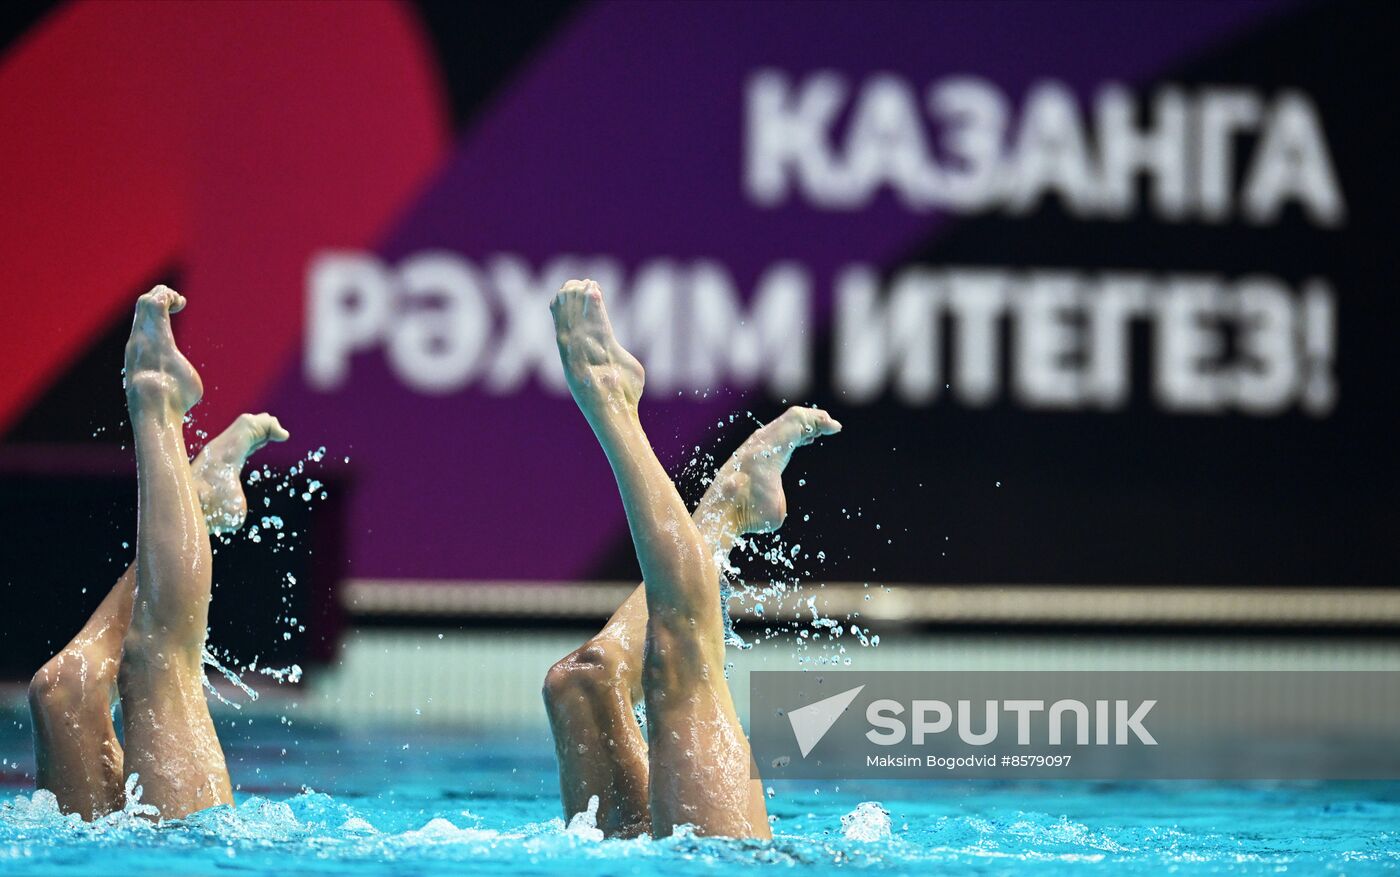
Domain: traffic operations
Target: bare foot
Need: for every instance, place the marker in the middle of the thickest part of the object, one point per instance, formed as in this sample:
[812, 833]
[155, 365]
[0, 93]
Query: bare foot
[156, 370]
[751, 480]
[216, 468]
[602, 376]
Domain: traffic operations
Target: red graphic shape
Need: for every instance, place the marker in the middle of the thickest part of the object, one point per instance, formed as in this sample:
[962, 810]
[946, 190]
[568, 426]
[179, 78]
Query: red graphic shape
[233, 140]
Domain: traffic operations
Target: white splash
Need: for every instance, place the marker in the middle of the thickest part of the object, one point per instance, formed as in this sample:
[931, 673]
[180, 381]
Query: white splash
[585, 825]
[870, 821]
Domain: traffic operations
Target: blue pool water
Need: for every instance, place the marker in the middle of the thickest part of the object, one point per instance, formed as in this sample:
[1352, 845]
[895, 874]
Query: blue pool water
[393, 802]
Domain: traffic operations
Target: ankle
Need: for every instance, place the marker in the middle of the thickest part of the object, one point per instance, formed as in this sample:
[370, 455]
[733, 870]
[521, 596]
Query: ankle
[718, 519]
[154, 393]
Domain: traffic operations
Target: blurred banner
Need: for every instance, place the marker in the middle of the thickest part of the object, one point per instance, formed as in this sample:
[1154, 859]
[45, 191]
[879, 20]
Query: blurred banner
[1102, 291]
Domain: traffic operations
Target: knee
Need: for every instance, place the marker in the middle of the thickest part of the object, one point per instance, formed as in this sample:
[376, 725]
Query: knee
[593, 668]
[77, 677]
[52, 691]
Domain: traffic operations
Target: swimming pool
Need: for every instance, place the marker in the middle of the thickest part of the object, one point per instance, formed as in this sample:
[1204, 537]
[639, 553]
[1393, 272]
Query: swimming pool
[392, 801]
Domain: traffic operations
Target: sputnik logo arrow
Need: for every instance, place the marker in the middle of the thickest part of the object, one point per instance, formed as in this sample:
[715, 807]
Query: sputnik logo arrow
[811, 722]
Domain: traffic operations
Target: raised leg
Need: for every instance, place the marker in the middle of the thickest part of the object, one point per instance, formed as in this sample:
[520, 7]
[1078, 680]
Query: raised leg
[591, 694]
[170, 738]
[591, 697]
[70, 699]
[698, 756]
[76, 749]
